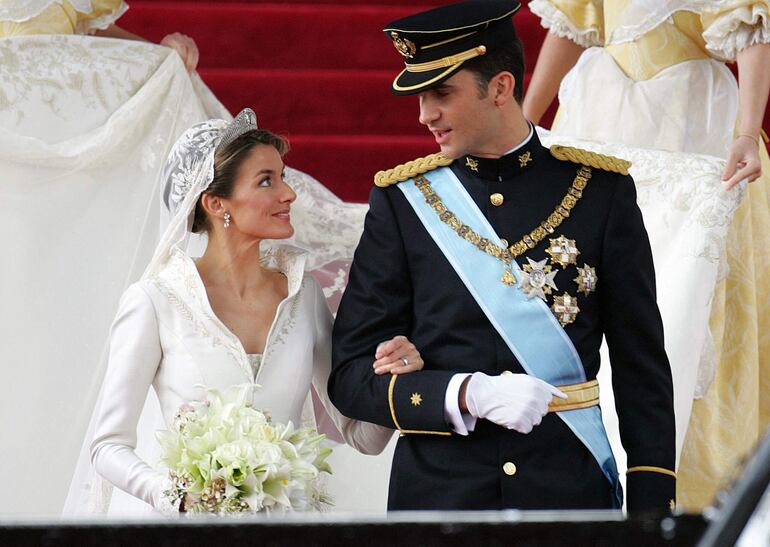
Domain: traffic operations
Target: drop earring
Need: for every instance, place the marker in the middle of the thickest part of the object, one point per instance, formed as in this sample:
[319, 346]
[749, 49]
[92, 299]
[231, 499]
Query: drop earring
[227, 221]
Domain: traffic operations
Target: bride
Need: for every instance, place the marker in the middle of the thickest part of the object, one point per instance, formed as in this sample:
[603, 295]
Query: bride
[235, 315]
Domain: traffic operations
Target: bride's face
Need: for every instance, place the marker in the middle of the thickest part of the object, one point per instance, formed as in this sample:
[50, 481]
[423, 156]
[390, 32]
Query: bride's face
[261, 200]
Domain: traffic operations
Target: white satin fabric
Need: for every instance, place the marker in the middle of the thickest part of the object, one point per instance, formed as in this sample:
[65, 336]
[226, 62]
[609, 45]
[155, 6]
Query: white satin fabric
[674, 110]
[167, 335]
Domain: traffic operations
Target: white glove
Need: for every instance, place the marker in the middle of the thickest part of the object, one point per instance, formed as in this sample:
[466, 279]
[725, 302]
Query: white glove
[514, 401]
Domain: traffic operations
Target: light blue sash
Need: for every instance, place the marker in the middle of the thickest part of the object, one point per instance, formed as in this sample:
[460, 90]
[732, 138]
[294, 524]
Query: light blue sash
[528, 327]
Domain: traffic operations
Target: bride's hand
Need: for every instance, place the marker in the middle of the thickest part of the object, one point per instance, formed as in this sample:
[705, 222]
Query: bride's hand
[185, 46]
[397, 356]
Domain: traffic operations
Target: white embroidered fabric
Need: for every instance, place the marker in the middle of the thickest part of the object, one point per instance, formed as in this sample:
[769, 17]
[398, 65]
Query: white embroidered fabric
[559, 24]
[86, 124]
[738, 29]
[687, 214]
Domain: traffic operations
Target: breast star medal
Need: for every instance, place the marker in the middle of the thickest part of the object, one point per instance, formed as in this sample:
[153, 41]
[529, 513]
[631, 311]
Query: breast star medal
[537, 279]
[565, 308]
[586, 279]
[563, 251]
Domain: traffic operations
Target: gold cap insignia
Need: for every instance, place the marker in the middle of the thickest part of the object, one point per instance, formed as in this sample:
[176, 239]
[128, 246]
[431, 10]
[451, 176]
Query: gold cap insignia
[404, 46]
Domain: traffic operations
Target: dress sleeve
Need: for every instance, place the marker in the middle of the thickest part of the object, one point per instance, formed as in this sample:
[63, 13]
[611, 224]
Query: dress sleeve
[736, 25]
[582, 21]
[103, 14]
[134, 357]
[365, 437]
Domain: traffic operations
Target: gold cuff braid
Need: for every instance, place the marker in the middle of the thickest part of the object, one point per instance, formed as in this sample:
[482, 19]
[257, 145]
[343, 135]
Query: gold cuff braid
[402, 432]
[652, 469]
[410, 169]
[591, 159]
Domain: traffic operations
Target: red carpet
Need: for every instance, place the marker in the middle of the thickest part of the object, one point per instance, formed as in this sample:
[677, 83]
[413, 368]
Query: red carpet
[317, 72]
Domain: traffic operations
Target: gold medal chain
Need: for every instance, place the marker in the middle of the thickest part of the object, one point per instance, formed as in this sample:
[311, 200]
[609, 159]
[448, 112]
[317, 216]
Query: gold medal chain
[529, 241]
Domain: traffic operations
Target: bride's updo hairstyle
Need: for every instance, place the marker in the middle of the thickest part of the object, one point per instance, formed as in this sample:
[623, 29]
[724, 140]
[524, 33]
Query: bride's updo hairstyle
[227, 164]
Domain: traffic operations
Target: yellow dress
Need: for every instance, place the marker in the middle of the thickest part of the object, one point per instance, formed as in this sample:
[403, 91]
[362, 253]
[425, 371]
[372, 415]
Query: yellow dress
[687, 103]
[60, 17]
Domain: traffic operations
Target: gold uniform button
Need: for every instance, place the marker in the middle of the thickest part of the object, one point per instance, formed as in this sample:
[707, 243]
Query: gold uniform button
[497, 199]
[506, 373]
[509, 468]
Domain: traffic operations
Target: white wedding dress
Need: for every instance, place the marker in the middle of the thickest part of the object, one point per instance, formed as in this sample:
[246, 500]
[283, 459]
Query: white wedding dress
[166, 335]
[86, 124]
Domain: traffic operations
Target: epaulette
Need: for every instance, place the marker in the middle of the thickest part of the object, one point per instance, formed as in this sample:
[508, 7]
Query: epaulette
[591, 159]
[410, 169]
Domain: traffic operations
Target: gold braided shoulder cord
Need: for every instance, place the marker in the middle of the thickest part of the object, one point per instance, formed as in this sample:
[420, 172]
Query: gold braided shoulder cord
[529, 241]
[409, 169]
[591, 159]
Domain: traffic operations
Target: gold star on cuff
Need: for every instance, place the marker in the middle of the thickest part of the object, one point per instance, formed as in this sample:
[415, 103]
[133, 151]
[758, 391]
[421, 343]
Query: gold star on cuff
[416, 399]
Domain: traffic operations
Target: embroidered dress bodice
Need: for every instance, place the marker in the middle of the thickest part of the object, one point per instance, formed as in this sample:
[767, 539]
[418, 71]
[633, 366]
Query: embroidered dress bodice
[255, 360]
[166, 335]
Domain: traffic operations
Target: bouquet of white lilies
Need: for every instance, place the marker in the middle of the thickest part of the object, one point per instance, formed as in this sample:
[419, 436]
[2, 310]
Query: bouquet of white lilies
[225, 457]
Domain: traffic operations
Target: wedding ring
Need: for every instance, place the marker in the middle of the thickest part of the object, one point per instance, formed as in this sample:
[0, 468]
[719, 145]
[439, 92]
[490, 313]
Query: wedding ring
[406, 361]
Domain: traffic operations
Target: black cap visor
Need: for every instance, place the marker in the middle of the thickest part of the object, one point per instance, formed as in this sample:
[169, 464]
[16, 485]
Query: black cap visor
[408, 83]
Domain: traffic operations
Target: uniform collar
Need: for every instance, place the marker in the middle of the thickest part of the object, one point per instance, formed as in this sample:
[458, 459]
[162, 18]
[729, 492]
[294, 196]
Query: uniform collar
[516, 161]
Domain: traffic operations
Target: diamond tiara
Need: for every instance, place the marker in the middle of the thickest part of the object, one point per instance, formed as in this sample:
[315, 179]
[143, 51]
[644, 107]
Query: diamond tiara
[245, 121]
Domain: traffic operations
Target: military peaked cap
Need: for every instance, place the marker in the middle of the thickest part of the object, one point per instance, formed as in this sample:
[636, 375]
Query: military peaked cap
[436, 43]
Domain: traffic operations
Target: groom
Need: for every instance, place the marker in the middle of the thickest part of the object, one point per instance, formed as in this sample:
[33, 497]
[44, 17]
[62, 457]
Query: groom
[505, 263]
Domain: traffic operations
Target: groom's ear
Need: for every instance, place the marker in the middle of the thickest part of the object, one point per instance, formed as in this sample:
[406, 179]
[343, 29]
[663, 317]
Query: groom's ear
[213, 205]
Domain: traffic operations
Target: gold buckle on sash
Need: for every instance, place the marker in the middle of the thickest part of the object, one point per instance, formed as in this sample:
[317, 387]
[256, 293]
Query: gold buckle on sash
[582, 395]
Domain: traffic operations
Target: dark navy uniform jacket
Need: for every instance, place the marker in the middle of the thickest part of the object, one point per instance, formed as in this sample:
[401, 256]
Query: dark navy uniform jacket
[401, 284]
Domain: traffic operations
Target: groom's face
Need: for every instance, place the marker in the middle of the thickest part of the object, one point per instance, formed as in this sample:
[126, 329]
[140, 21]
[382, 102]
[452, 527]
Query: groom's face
[461, 119]
[261, 200]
